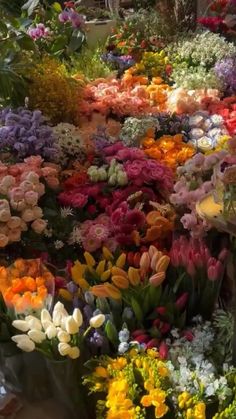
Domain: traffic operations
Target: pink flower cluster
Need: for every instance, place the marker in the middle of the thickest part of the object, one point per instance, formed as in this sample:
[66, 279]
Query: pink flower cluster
[21, 189]
[142, 172]
[192, 187]
[182, 101]
[38, 32]
[110, 96]
[194, 256]
[98, 233]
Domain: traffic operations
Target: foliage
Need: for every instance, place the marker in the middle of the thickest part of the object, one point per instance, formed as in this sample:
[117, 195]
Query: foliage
[89, 64]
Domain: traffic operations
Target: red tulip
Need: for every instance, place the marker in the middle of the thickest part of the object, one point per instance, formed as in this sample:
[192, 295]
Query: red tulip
[165, 328]
[142, 338]
[153, 343]
[182, 300]
[163, 350]
[161, 310]
[138, 333]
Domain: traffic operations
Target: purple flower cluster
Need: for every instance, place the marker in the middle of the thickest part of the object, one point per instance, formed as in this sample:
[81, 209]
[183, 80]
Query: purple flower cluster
[119, 62]
[24, 133]
[226, 71]
[172, 124]
[38, 32]
[77, 20]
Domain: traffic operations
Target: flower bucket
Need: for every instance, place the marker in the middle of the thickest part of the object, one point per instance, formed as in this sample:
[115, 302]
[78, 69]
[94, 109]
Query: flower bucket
[98, 31]
[66, 384]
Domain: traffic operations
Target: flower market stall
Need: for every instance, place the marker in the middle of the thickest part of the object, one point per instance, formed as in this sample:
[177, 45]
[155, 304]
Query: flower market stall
[118, 209]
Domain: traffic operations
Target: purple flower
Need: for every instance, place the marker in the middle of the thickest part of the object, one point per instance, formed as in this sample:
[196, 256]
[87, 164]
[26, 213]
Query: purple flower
[226, 72]
[64, 16]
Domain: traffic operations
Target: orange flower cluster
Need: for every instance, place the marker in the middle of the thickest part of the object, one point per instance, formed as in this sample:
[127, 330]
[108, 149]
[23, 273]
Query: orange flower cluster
[170, 150]
[156, 91]
[158, 226]
[25, 285]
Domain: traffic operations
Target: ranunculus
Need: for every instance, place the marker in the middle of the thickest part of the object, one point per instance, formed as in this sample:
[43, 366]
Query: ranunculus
[18, 205]
[28, 215]
[31, 198]
[4, 204]
[38, 212]
[39, 225]
[14, 235]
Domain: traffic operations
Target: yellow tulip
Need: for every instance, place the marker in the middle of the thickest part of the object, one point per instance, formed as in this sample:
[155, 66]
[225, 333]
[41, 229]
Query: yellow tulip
[83, 283]
[65, 294]
[89, 259]
[133, 275]
[120, 263]
[77, 271]
[101, 267]
[120, 281]
[106, 275]
[118, 271]
[109, 265]
[107, 254]
[162, 264]
[99, 291]
[113, 291]
[145, 262]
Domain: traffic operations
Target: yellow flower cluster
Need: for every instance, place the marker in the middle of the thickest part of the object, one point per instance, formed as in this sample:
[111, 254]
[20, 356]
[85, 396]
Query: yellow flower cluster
[54, 92]
[152, 63]
[128, 398]
[122, 277]
[193, 409]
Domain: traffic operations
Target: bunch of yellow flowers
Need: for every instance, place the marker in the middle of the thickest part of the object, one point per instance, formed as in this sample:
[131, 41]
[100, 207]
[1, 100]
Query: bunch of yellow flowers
[134, 384]
[152, 64]
[191, 407]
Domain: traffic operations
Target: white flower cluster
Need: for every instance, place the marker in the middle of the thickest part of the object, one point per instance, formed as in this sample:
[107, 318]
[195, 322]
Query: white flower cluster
[60, 326]
[204, 49]
[134, 130]
[114, 174]
[69, 141]
[206, 130]
[190, 369]
[193, 78]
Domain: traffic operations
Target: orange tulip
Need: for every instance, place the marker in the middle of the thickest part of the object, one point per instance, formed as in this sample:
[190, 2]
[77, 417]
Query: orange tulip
[157, 279]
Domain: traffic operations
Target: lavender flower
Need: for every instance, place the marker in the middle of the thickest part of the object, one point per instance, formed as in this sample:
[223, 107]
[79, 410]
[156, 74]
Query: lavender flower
[225, 70]
[119, 62]
[24, 133]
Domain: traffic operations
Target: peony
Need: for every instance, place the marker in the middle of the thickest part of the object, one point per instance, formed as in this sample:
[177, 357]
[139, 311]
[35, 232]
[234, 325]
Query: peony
[39, 226]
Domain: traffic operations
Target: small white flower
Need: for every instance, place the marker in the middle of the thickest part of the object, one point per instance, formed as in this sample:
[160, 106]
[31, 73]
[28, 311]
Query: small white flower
[48, 232]
[58, 244]
[66, 212]
[75, 237]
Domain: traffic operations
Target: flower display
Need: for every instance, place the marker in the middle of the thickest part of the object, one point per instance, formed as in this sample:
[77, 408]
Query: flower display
[27, 286]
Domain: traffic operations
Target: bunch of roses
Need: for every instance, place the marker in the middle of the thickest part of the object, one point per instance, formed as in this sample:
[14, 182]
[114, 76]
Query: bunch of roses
[227, 109]
[21, 190]
[193, 184]
[206, 130]
[183, 101]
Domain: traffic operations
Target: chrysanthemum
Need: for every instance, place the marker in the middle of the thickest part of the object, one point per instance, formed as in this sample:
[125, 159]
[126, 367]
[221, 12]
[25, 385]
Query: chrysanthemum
[99, 231]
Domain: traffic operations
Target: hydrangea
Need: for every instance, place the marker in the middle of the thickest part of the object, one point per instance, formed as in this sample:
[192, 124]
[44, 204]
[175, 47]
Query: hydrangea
[24, 133]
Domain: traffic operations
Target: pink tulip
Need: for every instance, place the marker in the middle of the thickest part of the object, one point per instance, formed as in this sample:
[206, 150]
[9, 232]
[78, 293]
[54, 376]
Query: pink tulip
[163, 350]
[145, 262]
[182, 300]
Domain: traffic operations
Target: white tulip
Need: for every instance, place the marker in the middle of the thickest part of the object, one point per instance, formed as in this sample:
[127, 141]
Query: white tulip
[36, 335]
[74, 352]
[33, 322]
[21, 325]
[24, 343]
[63, 337]
[57, 318]
[45, 316]
[64, 349]
[46, 324]
[59, 307]
[77, 315]
[97, 321]
[71, 326]
[51, 331]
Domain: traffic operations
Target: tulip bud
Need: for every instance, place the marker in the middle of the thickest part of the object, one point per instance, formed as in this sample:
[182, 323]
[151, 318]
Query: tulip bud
[36, 335]
[156, 257]
[120, 282]
[118, 271]
[223, 255]
[107, 254]
[45, 316]
[106, 275]
[136, 259]
[142, 338]
[89, 259]
[182, 301]
[71, 325]
[64, 349]
[33, 322]
[162, 264]
[157, 279]
[145, 262]
[112, 291]
[59, 307]
[163, 350]
[51, 331]
[63, 337]
[97, 321]
[77, 316]
[188, 335]
[152, 251]
[24, 343]
[130, 258]
[165, 328]
[120, 263]
[101, 267]
[137, 333]
[74, 352]
[134, 277]
[21, 325]
[161, 310]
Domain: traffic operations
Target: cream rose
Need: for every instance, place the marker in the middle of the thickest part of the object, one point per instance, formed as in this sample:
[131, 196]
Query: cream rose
[39, 226]
[14, 222]
[27, 215]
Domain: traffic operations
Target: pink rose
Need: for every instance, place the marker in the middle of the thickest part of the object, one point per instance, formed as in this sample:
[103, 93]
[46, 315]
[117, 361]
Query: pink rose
[14, 235]
[28, 215]
[79, 200]
[31, 198]
[34, 161]
[39, 226]
[26, 185]
[18, 205]
[14, 222]
[32, 177]
[17, 194]
[40, 189]
[3, 240]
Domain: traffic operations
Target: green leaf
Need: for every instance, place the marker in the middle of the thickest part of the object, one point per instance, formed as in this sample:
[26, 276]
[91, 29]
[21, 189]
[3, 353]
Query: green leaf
[59, 44]
[26, 43]
[111, 333]
[76, 41]
[30, 5]
[137, 310]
